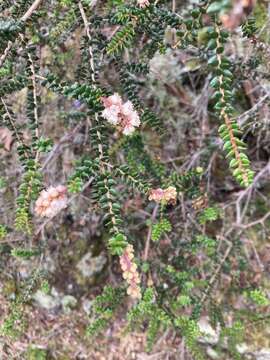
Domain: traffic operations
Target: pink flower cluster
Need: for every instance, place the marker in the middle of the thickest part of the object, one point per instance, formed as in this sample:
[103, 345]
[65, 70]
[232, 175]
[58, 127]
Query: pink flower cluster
[130, 273]
[164, 196]
[120, 114]
[51, 201]
[143, 3]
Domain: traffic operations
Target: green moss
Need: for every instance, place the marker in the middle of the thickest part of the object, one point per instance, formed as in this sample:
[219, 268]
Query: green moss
[9, 288]
[34, 353]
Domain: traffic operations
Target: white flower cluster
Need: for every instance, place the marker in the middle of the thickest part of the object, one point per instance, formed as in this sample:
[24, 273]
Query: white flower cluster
[120, 114]
[51, 201]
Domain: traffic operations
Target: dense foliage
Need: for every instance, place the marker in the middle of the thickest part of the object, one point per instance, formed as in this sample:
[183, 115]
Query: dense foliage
[161, 109]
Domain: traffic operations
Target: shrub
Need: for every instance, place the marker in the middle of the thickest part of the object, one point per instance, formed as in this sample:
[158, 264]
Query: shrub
[91, 66]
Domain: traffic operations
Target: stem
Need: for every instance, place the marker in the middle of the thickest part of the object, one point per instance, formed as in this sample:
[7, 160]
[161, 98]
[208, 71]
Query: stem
[7, 49]
[91, 54]
[228, 121]
[33, 78]
[100, 148]
[25, 17]
[147, 244]
[17, 135]
[30, 11]
[215, 275]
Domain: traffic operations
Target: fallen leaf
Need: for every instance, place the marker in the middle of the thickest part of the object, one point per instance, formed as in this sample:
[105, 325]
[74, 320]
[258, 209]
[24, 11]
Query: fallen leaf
[6, 138]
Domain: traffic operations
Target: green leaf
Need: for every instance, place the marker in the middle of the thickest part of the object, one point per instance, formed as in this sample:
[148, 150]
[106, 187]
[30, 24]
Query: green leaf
[227, 145]
[213, 61]
[233, 163]
[215, 7]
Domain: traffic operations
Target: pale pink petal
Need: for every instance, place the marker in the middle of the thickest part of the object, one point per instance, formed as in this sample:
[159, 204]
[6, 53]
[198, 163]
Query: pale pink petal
[128, 130]
[51, 201]
[143, 3]
[116, 99]
[127, 108]
[111, 114]
[135, 120]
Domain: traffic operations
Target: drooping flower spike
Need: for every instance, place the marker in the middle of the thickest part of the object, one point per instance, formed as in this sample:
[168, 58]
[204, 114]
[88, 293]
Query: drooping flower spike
[130, 273]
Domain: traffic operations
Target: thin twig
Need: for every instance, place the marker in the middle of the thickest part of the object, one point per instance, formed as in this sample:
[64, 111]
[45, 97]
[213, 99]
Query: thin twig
[147, 244]
[243, 117]
[247, 192]
[25, 17]
[91, 55]
[65, 139]
[215, 275]
[7, 49]
[253, 223]
[30, 11]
